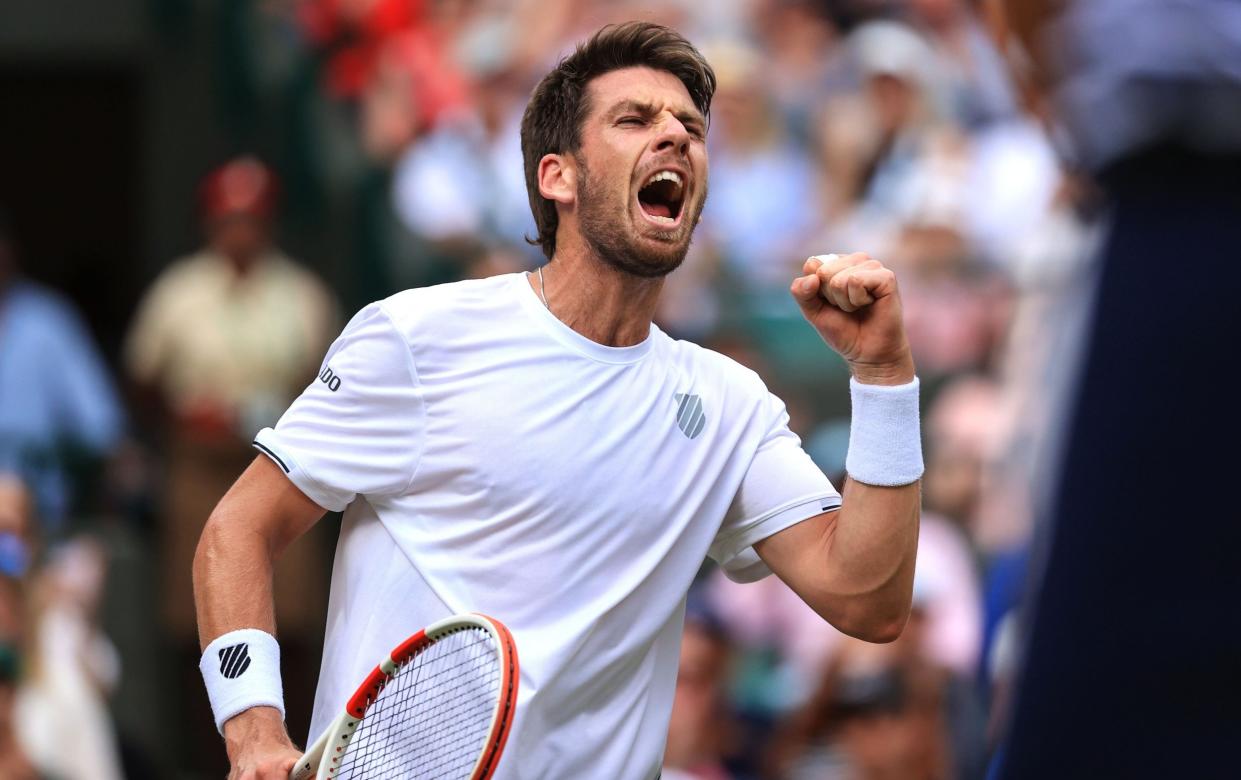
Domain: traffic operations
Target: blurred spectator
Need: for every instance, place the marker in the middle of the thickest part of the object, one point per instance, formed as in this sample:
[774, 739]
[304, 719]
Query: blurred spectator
[974, 86]
[224, 339]
[1017, 195]
[438, 180]
[762, 240]
[68, 667]
[964, 432]
[899, 169]
[950, 596]
[58, 408]
[73, 667]
[896, 171]
[877, 714]
[221, 344]
[15, 544]
[893, 158]
[227, 335]
[699, 729]
[783, 646]
[801, 62]
[956, 319]
[782, 643]
[16, 554]
[359, 36]
[16, 535]
[17, 762]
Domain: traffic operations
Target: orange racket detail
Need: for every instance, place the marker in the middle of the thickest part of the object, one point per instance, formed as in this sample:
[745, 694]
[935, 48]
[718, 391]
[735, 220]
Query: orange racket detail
[440, 706]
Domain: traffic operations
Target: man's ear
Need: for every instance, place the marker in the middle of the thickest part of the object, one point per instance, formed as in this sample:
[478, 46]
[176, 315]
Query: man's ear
[558, 178]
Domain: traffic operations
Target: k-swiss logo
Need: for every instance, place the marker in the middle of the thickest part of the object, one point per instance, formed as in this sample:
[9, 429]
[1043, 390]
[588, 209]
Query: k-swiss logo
[329, 378]
[690, 417]
[234, 660]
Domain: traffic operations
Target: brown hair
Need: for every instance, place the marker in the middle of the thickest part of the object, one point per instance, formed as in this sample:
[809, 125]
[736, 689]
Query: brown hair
[558, 106]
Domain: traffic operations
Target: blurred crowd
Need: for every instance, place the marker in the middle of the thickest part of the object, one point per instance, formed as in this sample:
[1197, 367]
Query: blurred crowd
[886, 126]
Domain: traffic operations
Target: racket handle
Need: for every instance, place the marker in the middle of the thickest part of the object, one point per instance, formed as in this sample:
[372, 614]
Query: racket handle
[308, 765]
[304, 769]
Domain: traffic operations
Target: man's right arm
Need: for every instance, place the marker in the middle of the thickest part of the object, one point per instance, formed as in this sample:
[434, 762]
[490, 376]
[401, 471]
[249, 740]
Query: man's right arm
[262, 513]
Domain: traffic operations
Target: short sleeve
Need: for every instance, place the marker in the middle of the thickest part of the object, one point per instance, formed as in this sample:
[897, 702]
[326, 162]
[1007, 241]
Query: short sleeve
[358, 428]
[782, 487]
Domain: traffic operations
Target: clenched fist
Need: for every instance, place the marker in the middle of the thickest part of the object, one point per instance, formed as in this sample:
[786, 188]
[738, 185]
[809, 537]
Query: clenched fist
[853, 302]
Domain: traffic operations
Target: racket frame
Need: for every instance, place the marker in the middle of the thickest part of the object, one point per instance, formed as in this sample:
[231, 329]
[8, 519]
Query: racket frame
[325, 754]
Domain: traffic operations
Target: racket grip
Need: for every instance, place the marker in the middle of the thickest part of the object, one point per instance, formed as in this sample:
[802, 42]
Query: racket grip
[304, 769]
[308, 765]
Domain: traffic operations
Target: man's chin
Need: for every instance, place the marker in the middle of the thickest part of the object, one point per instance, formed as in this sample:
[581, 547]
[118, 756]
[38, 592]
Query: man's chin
[632, 244]
[647, 257]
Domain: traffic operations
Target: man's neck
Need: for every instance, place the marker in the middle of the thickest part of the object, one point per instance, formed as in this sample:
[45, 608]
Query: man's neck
[603, 304]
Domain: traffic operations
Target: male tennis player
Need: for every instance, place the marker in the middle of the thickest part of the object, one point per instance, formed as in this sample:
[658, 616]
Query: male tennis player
[535, 449]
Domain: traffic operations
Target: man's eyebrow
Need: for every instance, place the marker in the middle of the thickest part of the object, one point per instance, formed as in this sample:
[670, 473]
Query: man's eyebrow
[691, 116]
[647, 109]
[637, 106]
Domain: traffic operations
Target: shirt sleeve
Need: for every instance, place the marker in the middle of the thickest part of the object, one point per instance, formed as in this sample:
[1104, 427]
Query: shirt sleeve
[358, 428]
[781, 488]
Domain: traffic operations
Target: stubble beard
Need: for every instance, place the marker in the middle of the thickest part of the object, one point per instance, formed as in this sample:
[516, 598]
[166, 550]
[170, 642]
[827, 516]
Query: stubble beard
[605, 233]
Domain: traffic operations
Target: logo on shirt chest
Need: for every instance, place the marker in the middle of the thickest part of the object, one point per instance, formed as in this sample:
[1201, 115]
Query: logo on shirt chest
[691, 418]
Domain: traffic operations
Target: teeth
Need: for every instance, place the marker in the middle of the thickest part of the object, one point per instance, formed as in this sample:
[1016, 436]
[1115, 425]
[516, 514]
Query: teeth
[671, 176]
[665, 220]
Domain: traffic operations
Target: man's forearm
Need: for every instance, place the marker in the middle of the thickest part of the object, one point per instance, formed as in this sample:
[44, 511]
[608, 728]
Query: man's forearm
[233, 575]
[870, 553]
[874, 545]
[854, 566]
[233, 567]
[233, 571]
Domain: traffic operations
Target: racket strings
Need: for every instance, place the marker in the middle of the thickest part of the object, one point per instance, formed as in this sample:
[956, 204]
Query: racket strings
[433, 717]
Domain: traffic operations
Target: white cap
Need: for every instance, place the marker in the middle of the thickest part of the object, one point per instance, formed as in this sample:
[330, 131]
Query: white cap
[892, 49]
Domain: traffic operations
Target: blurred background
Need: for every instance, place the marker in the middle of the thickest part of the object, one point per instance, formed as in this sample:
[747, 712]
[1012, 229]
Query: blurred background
[195, 196]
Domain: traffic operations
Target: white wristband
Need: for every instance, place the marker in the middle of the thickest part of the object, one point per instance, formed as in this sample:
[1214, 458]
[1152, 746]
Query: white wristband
[885, 444]
[242, 670]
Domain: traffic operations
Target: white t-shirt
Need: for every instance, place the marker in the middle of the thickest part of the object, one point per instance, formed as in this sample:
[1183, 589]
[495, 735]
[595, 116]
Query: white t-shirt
[490, 459]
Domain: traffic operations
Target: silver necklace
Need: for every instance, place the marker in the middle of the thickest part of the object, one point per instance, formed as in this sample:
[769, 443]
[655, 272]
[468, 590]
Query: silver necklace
[542, 292]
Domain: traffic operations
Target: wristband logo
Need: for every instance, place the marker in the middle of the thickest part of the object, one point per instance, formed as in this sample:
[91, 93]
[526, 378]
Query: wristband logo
[234, 660]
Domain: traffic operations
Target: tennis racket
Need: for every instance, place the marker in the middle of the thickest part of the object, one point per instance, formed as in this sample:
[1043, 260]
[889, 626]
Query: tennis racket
[440, 706]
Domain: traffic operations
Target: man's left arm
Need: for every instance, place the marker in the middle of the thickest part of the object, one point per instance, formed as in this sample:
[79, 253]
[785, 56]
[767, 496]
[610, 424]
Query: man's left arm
[855, 566]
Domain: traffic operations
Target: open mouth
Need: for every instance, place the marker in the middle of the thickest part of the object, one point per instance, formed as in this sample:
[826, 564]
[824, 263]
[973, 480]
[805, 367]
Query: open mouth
[662, 196]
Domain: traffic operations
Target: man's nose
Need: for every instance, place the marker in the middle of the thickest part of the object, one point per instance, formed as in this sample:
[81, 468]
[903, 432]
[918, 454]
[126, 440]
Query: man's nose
[673, 137]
